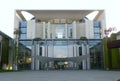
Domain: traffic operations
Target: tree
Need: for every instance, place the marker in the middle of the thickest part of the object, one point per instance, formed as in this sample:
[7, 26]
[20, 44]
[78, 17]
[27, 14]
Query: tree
[83, 37]
[17, 33]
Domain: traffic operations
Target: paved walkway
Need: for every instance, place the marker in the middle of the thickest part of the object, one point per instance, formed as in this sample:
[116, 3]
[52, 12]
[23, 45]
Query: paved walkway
[61, 75]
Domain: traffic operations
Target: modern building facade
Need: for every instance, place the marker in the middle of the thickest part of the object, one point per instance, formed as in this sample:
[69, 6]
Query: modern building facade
[6, 52]
[9, 57]
[62, 39]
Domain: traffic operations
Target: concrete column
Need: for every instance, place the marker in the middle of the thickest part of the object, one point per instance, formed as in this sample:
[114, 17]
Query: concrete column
[44, 33]
[67, 50]
[43, 50]
[74, 50]
[74, 30]
[48, 30]
[33, 58]
[88, 58]
[37, 60]
[77, 50]
[84, 60]
[53, 32]
[53, 51]
[66, 31]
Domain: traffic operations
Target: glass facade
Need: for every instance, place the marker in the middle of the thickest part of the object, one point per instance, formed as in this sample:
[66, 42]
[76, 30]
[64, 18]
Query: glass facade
[60, 47]
[59, 30]
[23, 29]
[97, 33]
[96, 56]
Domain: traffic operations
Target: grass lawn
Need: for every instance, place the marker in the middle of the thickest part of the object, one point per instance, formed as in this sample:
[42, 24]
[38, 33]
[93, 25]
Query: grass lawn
[7, 71]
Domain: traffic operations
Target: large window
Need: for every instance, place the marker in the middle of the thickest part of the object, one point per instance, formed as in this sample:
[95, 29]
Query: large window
[23, 24]
[96, 30]
[97, 34]
[97, 24]
[59, 30]
[23, 29]
[60, 51]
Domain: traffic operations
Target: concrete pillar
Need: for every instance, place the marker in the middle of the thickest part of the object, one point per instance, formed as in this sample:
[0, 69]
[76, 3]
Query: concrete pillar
[74, 30]
[66, 31]
[48, 30]
[75, 51]
[37, 60]
[88, 58]
[84, 60]
[53, 51]
[44, 33]
[53, 32]
[67, 50]
[33, 58]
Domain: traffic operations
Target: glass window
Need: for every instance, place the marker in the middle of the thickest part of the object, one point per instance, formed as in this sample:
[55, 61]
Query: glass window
[96, 30]
[60, 51]
[23, 30]
[26, 43]
[23, 36]
[23, 24]
[97, 36]
[60, 42]
[96, 23]
[60, 30]
[49, 42]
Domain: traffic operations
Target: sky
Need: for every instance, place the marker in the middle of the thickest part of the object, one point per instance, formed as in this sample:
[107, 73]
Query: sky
[8, 7]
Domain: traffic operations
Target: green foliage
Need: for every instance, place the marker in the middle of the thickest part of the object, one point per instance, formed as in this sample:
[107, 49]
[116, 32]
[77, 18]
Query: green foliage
[115, 58]
[83, 37]
[118, 80]
[17, 32]
[8, 71]
[37, 39]
[106, 59]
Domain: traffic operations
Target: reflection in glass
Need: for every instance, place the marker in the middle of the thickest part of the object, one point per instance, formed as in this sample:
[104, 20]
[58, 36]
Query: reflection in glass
[60, 51]
[59, 30]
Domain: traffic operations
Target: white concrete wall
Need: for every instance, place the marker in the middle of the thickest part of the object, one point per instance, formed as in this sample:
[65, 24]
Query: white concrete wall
[80, 30]
[34, 30]
[52, 31]
[44, 34]
[74, 30]
[66, 31]
[31, 29]
[17, 19]
[48, 30]
[89, 29]
[39, 30]
[102, 20]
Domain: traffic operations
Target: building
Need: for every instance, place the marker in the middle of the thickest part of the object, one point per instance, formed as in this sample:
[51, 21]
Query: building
[9, 56]
[60, 39]
[6, 52]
